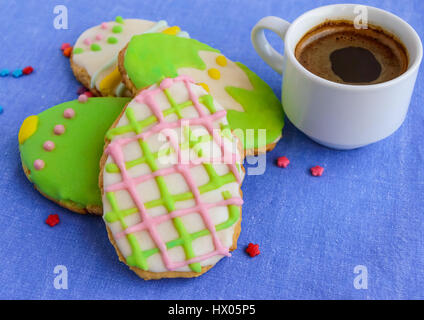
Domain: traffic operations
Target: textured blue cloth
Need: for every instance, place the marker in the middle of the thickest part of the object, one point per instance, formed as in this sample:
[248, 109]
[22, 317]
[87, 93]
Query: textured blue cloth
[367, 209]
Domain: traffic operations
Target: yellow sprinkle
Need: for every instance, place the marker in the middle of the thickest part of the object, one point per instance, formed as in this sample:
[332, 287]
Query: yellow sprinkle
[204, 85]
[110, 82]
[172, 30]
[28, 128]
[221, 60]
[214, 73]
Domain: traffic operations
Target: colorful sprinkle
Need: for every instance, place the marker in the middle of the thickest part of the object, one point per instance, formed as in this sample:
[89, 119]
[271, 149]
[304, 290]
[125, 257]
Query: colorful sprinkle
[221, 60]
[69, 113]
[27, 70]
[317, 171]
[52, 220]
[17, 73]
[103, 25]
[204, 86]
[112, 40]
[283, 162]
[95, 47]
[67, 52]
[117, 29]
[83, 98]
[81, 90]
[87, 41]
[1, 109]
[4, 73]
[253, 250]
[48, 145]
[59, 129]
[39, 164]
[214, 73]
[78, 50]
[99, 37]
[119, 19]
[64, 46]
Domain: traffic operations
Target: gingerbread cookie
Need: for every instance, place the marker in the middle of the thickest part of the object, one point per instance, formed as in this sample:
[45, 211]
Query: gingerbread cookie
[61, 149]
[171, 182]
[94, 56]
[250, 102]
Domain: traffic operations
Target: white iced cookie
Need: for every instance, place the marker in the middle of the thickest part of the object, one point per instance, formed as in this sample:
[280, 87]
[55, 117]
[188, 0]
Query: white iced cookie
[95, 53]
[171, 178]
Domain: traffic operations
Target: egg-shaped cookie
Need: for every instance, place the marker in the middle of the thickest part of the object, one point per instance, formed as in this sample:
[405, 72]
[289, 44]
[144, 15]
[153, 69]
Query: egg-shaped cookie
[61, 149]
[255, 114]
[94, 55]
[170, 178]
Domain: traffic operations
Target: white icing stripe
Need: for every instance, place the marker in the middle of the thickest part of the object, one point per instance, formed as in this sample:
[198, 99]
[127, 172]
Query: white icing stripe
[105, 67]
[183, 34]
[120, 89]
[158, 27]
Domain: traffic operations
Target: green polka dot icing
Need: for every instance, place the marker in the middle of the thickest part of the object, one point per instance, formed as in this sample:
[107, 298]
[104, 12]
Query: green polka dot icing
[119, 19]
[95, 47]
[117, 29]
[112, 40]
[251, 104]
[78, 50]
[72, 169]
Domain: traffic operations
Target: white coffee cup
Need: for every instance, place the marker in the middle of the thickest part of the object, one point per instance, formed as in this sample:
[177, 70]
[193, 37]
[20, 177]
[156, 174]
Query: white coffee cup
[340, 116]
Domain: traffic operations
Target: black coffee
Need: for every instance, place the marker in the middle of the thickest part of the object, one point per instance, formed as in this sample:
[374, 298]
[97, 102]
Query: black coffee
[338, 52]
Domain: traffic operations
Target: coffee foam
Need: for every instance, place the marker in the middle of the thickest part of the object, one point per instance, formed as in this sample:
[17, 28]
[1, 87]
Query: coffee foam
[314, 49]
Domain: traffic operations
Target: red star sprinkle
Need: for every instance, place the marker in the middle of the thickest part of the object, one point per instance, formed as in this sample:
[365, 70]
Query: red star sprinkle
[253, 250]
[67, 52]
[52, 220]
[317, 171]
[27, 70]
[283, 162]
[64, 46]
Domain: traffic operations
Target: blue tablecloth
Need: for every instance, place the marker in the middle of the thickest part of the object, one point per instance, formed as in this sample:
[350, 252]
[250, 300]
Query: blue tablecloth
[367, 209]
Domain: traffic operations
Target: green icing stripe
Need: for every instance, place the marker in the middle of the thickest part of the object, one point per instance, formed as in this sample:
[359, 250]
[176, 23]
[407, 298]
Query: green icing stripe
[138, 257]
[72, 169]
[151, 57]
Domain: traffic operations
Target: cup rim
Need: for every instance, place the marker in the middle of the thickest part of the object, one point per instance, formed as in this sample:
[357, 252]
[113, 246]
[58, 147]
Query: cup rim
[411, 69]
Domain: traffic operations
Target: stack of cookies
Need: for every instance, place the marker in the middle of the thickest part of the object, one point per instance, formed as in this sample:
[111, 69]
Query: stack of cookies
[158, 150]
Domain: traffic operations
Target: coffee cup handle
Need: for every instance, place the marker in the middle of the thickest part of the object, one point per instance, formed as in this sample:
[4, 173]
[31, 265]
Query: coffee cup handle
[261, 44]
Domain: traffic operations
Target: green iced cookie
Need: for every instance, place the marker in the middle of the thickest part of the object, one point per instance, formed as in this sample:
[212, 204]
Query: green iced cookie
[61, 149]
[250, 102]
